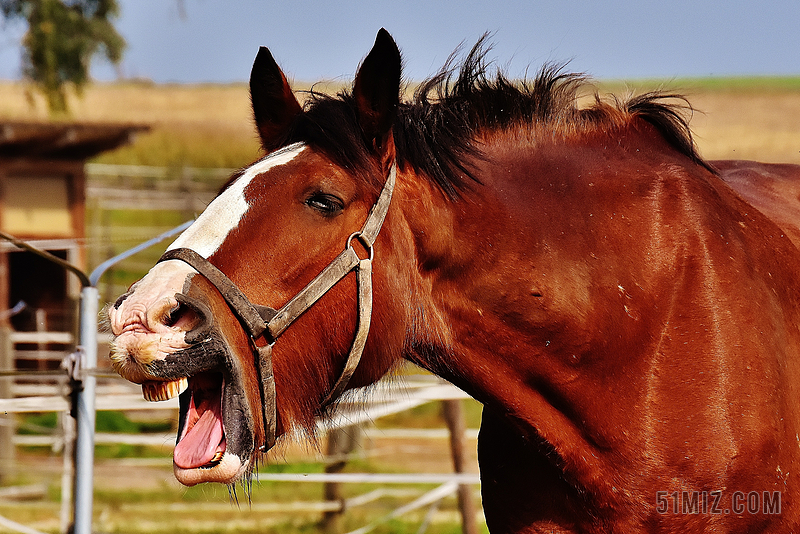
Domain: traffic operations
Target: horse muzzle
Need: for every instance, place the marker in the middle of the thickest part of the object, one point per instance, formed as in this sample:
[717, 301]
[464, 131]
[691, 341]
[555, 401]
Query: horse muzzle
[173, 348]
[157, 343]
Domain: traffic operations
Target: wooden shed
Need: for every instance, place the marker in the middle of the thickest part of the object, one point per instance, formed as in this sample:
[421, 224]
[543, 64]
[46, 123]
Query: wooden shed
[43, 200]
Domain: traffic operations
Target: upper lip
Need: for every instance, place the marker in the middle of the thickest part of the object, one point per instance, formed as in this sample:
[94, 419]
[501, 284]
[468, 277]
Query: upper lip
[180, 362]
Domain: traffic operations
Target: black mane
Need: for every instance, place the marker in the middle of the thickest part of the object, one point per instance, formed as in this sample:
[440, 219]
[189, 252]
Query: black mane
[436, 132]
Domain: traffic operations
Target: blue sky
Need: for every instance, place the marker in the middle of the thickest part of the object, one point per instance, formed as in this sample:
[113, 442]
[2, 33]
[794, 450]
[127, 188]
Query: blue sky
[217, 40]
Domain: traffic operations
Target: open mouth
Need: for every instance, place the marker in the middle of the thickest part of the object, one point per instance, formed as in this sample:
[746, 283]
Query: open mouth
[216, 430]
[215, 433]
[201, 434]
[201, 438]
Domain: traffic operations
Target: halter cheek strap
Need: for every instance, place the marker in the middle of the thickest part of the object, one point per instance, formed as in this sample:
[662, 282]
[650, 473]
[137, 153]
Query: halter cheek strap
[263, 322]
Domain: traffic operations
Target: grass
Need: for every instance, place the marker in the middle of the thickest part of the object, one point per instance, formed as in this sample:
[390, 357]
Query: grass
[121, 230]
[106, 421]
[138, 498]
[198, 126]
[430, 416]
[710, 85]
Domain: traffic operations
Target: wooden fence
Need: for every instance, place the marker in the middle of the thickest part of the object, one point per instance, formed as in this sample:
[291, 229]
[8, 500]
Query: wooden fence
[128, 204]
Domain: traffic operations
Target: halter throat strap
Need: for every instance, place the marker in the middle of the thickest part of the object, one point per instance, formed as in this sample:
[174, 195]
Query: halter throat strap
[267, 323]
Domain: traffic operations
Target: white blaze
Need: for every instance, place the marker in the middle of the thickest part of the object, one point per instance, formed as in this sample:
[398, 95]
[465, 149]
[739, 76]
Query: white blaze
[211, 229]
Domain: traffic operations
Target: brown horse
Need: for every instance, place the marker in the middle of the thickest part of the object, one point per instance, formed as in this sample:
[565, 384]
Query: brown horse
[629, 322]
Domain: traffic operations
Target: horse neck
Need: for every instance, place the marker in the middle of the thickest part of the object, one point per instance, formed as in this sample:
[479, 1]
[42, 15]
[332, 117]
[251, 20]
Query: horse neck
[555, 292]
[513, 256]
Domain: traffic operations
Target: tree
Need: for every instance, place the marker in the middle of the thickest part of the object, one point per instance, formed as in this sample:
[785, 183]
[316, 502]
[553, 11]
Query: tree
[63, 36]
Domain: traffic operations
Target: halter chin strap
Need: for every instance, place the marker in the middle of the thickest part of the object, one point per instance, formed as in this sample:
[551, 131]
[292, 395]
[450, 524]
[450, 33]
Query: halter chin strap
[263, 322]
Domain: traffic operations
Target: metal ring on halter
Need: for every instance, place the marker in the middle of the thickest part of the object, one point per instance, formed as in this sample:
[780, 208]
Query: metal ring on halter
[358, 235]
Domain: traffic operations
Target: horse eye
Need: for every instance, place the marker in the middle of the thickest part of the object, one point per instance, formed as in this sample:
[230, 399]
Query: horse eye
[325, 203]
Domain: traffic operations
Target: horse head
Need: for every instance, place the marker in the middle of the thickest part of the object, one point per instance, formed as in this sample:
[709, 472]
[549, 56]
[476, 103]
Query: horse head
[203, 322]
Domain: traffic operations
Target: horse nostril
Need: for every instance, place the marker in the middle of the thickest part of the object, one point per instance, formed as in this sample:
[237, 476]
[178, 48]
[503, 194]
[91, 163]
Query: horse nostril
[125, 295]
[122, 298]
[194, 315]
[177, 314]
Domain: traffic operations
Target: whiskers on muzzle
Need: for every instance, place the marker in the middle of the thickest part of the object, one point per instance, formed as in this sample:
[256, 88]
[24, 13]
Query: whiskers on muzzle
[131, 360]
[104, 320]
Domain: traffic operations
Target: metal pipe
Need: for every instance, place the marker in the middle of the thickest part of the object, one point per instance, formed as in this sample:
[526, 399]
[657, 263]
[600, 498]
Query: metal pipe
[94, 278]
[46, 255]
[85, 416]
[85, 403]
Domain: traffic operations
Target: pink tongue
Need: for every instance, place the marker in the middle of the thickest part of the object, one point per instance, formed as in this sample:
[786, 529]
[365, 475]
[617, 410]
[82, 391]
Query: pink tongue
[199, 445]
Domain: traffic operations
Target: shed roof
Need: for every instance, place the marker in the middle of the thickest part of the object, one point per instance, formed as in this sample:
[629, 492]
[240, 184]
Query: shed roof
[62, 140]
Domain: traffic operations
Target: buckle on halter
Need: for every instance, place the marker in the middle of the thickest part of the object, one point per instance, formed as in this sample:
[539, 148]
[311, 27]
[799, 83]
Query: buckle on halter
[360, 237]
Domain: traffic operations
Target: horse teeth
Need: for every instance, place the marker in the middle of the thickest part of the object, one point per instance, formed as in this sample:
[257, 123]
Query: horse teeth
[161, 391]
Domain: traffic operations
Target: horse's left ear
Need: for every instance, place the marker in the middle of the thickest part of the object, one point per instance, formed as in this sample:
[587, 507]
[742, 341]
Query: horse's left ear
[274, 104]
[377, 91]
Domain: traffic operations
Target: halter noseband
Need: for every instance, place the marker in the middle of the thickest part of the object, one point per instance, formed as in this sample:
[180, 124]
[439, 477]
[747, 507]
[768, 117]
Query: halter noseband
[263, 322]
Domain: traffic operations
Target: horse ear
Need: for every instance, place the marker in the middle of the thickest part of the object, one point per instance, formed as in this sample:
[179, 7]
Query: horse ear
[274, 104]
[377, 90]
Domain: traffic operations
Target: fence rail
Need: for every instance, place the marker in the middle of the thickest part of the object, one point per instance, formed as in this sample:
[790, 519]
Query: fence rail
[128, 204]
[385, 398]
[136, 187]
[164, 177]
[62, 338]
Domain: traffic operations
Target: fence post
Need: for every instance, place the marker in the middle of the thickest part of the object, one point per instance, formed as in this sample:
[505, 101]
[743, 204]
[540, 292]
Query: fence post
[341, 442]
[83, 378]
[186, 190]
[67, 428]
[85, 413]
[454, 415]
[41, 327]
[7, 429]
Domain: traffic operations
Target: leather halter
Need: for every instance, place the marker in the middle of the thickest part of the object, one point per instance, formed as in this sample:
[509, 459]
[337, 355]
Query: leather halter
[267, 324]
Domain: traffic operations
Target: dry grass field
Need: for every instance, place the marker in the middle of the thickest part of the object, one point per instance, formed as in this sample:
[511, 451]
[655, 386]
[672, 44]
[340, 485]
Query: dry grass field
[758, 121]
[211, 125]
[196, 126]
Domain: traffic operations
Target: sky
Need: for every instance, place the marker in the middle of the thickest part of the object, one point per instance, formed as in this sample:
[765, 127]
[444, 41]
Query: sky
[194, 41]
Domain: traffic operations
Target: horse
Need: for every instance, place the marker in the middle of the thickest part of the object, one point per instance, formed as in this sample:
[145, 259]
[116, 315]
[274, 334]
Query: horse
[630, 323]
